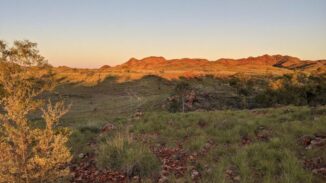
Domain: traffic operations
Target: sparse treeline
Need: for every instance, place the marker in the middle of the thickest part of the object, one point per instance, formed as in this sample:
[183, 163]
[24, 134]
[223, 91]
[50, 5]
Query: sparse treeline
[244, 92]
[291, 89]
[294, 89]
[31, 151]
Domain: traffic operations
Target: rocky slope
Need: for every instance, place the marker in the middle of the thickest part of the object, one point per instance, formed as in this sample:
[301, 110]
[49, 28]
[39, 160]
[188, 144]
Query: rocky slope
[186, 67]
[260, 63]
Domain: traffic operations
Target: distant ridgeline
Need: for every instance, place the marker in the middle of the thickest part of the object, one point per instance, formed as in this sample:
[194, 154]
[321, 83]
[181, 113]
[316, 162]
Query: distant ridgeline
[265, 65]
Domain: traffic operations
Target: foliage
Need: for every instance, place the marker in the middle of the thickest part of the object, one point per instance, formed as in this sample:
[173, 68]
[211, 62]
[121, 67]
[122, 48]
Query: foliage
[28, 153]
[296, 89]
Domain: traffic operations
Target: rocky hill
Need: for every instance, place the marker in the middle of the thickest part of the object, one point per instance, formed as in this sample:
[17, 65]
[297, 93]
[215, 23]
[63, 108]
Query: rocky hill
[187, 67]
[259, 63]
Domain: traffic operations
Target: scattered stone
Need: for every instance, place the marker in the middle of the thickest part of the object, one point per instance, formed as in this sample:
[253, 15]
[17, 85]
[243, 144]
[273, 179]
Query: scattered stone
[309, 142]
[174, 160]
[245, 140]
[207, 145]
[164, 173]
[316, 165]
[315, 118]
[209, 170]
[320, 171]
[86, 171]
[233, 175]
[81, 155]
[195, 175]
[108, 127]
[191, 157]
[229, 172]
[136, 178]
[163, 179]
[237, 178]
[318, 141]
[137, 115]
[263, 133]
[305, 140]
[92, 144]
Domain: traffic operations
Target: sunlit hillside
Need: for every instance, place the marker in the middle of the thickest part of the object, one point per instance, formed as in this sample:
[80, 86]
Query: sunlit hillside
[276, 65]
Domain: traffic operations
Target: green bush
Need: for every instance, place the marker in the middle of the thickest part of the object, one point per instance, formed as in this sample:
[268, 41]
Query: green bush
[294, 89]
[122, 153]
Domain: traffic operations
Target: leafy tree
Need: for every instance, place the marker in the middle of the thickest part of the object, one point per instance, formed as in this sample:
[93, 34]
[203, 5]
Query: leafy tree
[30, 152]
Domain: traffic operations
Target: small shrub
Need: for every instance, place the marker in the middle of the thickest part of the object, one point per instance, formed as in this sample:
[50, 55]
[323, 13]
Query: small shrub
[122, 153]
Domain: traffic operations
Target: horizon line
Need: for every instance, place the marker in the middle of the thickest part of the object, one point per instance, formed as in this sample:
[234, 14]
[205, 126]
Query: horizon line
[191, 58]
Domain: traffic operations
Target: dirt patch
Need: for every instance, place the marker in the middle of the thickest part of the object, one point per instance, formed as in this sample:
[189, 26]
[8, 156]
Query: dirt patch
[233, 175]
[86, 171]
[174, 160]
[177, 161]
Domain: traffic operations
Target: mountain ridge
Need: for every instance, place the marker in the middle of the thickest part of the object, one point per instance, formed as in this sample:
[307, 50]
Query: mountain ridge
[278, 61]
[195, 67]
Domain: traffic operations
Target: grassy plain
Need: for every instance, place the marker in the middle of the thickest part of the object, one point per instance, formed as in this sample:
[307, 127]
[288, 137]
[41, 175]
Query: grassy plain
[258, 145]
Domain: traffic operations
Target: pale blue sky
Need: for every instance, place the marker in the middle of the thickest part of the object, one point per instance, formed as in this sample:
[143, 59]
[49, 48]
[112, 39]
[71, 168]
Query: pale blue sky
[92, 33]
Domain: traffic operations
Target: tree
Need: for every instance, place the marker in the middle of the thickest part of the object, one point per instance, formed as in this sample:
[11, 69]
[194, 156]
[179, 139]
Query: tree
[181, 89]
[31, 151]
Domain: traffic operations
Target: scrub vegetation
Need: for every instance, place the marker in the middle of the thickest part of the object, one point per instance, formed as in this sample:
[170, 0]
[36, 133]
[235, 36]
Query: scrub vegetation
[240, 128]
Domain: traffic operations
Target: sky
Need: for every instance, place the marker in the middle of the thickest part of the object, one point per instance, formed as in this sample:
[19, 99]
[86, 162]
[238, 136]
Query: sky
[92, 33]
